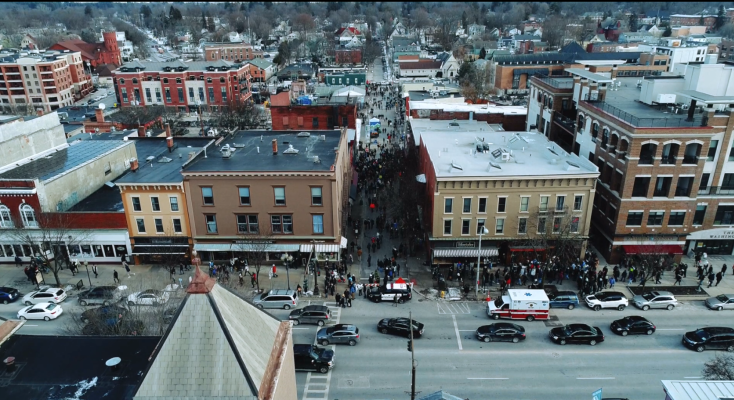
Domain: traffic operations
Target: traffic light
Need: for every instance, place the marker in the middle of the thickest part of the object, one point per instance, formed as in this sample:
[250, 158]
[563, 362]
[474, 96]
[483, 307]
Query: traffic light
[410, 345]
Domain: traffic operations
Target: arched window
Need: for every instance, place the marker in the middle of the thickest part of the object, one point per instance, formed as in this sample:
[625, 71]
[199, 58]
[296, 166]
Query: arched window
[582, 123]
[29, 216]
[5, 220]
[594, 130]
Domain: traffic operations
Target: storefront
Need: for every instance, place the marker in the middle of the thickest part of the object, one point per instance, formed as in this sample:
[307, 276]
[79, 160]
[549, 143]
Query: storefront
[160, 250]
[98, 246]
[466, 252]
[711, 241]
[221, 252]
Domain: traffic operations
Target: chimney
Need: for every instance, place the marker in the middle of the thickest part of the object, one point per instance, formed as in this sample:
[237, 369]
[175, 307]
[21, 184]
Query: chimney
[275, 146]
[614, 72]
[169, 142]
[99, 113]
[168, 130]
[9, 364]
[134, 164]
[39, 112]
[141, 131]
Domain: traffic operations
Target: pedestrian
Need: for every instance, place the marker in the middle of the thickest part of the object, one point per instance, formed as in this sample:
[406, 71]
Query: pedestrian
[338, 299]
[711, 278]
[612, 281]
[397, 270]
[94, 269]
[18, 262]
[116, 277]
[127, 268]
[719, 276]
[678, 278]
[397, 299]
[253, 279]
[275, 275]
[723, 270]
[242, 279]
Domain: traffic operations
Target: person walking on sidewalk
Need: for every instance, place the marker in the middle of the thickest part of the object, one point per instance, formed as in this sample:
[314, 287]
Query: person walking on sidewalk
[678, 278]
[127, 268]
[94, 269]
[711, 278]
[723, 270]
[116, 277]
[719, 276]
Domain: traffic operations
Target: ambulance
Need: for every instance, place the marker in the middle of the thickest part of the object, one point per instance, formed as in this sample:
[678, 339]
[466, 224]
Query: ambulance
[528, 304]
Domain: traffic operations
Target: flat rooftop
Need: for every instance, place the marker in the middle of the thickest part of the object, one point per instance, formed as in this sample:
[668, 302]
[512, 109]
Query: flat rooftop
[452, 146]
[106, 198]
[157, 164]
[63, 160]
[246, 157]
[457, 104]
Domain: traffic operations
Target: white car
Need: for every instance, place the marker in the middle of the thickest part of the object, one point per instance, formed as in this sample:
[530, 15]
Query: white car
[45, 311]
[148, 297]
[607, 300]
[45, 295]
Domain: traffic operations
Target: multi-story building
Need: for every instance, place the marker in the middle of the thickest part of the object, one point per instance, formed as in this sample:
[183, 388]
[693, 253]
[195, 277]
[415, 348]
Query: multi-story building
[43, 80]
[518, 185]
[325, 115]
[679, 52]
[261, 70]
[155, 201]
[726, 51]
[352, 55]
[186, 86]
[282, 190]
[508, 118]
[232, 52]
[105, 52]
[662, 145]
[687, 19]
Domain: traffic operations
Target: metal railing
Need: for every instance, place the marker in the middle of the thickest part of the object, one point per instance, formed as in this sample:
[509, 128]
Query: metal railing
[556, 83]
[667, 160]
[717, 190]
[645, 160]
[663, 122]
[690, 159]
[567, 123]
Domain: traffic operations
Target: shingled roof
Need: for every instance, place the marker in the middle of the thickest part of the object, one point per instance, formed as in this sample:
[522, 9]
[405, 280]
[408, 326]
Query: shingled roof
[421, 64]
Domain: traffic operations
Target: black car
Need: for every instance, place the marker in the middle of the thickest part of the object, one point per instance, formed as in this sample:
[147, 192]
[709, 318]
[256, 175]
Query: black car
[308, 357]
[576, 333]
[382, 293]
[103, 313]
[632, 325]
[710, 338]
[105, 295]
[501, 332]
[399, 326]
[9, 295]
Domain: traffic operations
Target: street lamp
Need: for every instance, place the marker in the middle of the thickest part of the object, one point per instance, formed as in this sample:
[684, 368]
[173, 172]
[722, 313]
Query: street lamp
[482, 231]
[287, 259]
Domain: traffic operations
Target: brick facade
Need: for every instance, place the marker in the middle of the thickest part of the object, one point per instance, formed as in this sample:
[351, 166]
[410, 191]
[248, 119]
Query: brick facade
[313, 117]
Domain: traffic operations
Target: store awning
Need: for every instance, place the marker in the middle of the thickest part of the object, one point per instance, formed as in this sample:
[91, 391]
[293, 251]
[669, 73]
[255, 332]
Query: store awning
[653, 249]
[324, 248]
[212, 247]
[462, 253]
[525, 248]
[269, 248]
[158, 251]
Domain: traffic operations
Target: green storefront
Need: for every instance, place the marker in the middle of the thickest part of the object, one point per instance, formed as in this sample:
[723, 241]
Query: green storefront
[354, 78]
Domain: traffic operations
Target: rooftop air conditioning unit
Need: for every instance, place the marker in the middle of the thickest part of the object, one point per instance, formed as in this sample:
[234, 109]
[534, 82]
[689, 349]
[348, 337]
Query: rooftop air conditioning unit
[290, 150]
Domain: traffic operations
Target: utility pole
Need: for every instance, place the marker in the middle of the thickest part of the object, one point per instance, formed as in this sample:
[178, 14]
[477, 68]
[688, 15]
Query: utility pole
[412, 358]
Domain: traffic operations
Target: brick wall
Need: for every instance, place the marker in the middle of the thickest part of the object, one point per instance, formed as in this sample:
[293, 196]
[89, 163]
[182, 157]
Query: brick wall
[302, 117]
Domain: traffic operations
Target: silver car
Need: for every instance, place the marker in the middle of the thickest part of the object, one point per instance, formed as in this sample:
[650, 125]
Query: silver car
[660, 299]
[277, 298]
[721, 302]
[341, 333]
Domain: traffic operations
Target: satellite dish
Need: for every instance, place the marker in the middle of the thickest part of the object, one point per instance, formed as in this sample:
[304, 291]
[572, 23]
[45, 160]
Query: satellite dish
[101, 106]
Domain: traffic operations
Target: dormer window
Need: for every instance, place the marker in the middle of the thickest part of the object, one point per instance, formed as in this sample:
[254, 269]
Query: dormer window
[28, 216]
[5, 221]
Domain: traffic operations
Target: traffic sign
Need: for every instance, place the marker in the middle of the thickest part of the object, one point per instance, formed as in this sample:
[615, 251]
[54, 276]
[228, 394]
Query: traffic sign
[596, 395]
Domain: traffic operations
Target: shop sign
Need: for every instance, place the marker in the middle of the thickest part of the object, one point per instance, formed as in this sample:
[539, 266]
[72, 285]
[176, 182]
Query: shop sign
[465, 245]
[712, 234]
[253, 242]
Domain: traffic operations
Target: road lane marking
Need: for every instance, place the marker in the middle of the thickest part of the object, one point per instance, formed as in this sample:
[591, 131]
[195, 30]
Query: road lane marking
[467, 330]
[601, 378]
[670, 329]
[503, 379]
[314, 380]
[456, 328]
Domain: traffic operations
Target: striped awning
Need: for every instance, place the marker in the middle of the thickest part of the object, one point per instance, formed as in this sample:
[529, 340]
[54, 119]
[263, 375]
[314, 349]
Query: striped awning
[246, 247]
[462, 253]
[320, 248]
[212, 247]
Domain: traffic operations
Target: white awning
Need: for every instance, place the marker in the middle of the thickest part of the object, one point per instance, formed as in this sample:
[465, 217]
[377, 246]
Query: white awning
[344, 243]
[212, 247]
[456, 253]
[270, 248]
[306, 248]
[327, 248]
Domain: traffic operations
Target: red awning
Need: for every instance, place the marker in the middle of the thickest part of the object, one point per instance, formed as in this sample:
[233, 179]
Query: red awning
[653, 249]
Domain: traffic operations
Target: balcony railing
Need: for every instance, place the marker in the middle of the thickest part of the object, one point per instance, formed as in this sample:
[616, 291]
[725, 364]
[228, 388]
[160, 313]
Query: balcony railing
[646, 160]
[667, 160]
[556, 83]
[567, 123]
[663, 122]
[716, 190]
[690, 159]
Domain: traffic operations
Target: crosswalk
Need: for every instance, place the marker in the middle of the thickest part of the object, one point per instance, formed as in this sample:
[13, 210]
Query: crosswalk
[458, 307]
[317, 385]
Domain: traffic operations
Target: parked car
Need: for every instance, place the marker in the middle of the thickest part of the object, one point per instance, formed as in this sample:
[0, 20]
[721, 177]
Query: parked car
[607, 300]
[277, 298]
[718, 303]
[100, 313]
[577, 334]
[312, 314]
[44, 311]
[8, 294]
[45, 295]
[150, 297]
[341, 333]
[308, 357]
[632, 325]
[501, 332]
[710, 338]
[658, 299]
[399, 326]
[105, 295]
[563, 299]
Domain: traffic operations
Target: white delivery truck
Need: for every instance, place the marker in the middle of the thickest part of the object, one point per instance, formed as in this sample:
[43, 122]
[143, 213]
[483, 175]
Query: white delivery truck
[529, 304]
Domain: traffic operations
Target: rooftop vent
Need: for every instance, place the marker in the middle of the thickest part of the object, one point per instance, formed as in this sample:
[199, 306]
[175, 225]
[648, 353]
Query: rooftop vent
[493, 165]
[316, 160]
[454, 123]
[164, 160]
[323, 137]
[304, 134]
[552, 150]
[290, 150]
[572, 166]
[455, 165]
[149, 159]
[238, 145]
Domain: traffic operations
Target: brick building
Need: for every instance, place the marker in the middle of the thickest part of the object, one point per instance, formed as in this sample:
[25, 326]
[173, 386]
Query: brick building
[106, 52]
[44, 80]
[288, 116]
[348, 56]
[689, 20]
[186, 86]
[232, 52]
[509, 118]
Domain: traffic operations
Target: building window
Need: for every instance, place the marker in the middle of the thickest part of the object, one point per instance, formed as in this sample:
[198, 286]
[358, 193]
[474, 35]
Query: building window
[541, 224]
[724, 215]
[575, 224]
[524, 203]
[221, 79]
[122, 81]
[247, 223]
[28, 216]
[279, 196]
[211, 95]
[165, 80]
[191, 95]
[560, 202]
[639, 189]
[676, 218]
[178, 80]
[208, 196]
[177, 225]
[158, 95]
[158, 225]
[699, 215]
[211, 223]
[168, 95]
[5, 221]
[155, 205]
[448, 205]
[704, 181]
[316, 199]
[224, 95]
[499, 226]
[345, 121]
[281, 223]
[467, 205]
[501, 204]
[315, 122]
[465, 224]
[180, 95]
[482, 205]
[480, 225]
[148, 97]
[124, 95]
[522, 226]
[318, 224]
[201, 94]
[136, 91]
[685, 184]
[557, 221]
[447, 227]
[577, 202]
[544, 203]
[141, 225]
[244, 196]
[173, 200]
[662, 187]
[655, 218]
[136, 204]
[712, 150]
[634, 218]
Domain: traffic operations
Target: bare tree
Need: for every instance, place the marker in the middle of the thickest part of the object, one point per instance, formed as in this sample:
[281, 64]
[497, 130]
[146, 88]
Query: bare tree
[303, 23]
[475, 84]
[49, 235]
[720, 368]
[238, 115]
[553, 234]
[255, 245]
[554, 30]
